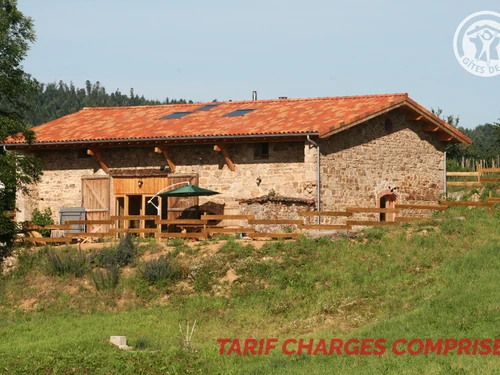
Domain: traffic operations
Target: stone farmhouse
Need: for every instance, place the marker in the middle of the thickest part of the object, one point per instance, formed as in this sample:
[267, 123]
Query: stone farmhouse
[328, 153]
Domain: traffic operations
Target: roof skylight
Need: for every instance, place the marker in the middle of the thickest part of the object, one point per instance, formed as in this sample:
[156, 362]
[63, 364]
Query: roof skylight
[175, 115]
[239, 112]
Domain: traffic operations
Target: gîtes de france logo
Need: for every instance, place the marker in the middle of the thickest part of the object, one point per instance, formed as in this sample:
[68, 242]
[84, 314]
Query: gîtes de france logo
[476, 44]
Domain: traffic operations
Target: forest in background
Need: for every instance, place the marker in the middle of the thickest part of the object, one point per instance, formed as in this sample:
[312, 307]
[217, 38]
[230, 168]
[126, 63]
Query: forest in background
[55, 100]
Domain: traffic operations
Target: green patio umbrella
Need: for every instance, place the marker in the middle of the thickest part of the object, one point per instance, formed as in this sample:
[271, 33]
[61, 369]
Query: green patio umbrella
[188, 191]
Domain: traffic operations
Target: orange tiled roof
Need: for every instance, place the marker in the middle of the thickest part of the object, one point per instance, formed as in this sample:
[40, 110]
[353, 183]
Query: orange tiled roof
[321, 116]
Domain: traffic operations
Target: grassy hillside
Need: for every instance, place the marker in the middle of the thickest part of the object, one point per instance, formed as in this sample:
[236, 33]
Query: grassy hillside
[428, 280]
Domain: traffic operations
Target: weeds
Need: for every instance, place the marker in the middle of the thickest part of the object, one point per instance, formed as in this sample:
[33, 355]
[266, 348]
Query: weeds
[142, 343]
[106, 279]
[123, 255]
[375, 233]
[59, 265]
[160, 271]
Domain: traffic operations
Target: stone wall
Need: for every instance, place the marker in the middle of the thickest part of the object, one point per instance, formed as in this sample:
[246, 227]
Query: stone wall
[360, 163]
[276, 208]
[60, 185]
[285, 172]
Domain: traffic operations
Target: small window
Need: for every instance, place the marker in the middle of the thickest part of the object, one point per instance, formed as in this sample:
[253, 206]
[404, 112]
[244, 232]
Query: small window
[239, 112]
[207, 107]
[175, 115]
[261, 151]
[388, 126]
[82, 154]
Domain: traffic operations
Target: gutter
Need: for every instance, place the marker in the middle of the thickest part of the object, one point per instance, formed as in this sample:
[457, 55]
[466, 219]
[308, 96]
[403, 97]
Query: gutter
[215, 137]
[444, 169]
[318, 176]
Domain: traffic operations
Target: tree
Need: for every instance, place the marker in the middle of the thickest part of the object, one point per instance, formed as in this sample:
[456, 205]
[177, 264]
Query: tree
[17, 89]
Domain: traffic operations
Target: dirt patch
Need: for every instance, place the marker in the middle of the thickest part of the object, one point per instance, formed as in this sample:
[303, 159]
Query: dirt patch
[28, 304]
[230, 277]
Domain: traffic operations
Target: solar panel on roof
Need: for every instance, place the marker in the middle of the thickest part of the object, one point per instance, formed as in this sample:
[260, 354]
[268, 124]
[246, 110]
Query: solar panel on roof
[175, 115]
[207, 107]
[239, 112]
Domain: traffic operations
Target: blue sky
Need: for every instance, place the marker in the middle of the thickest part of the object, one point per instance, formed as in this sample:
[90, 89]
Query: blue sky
[224, 49]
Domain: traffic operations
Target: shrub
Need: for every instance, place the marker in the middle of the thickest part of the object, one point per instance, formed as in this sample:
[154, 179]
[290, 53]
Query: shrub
[160, 271]
[126, 251]
[104, 257]
[122, 255]
[42, 218]
[59, 265]
[7, 232]
[106, 279]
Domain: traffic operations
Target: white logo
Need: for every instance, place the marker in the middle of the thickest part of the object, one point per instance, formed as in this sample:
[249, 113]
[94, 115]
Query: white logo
[477, 44]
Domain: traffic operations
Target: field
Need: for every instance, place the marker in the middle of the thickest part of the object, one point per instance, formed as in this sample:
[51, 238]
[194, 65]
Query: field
[433, 280]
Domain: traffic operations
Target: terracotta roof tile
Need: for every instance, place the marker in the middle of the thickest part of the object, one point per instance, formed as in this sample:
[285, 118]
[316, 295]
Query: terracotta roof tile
[283, 116]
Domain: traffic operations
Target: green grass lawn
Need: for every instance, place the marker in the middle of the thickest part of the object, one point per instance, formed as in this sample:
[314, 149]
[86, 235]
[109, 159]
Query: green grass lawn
[428, 280]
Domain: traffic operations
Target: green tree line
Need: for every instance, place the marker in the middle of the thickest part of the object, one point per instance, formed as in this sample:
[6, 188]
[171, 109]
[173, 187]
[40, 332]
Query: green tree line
[485, 143]
[54, 100]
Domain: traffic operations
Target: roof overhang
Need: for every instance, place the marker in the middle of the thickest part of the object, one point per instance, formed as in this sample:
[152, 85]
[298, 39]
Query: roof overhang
[173, 141]
[430, 123]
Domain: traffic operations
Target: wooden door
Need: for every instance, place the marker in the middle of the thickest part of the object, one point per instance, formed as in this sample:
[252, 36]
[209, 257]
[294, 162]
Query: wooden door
[95, 199]
[182, 207]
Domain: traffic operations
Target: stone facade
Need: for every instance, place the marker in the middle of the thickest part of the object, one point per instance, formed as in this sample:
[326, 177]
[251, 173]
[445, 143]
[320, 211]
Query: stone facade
[360, 163]
[356, 166]
[286, 172]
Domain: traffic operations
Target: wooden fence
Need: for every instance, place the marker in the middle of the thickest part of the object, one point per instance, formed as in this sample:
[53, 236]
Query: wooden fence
[207, 225]
[478, 177]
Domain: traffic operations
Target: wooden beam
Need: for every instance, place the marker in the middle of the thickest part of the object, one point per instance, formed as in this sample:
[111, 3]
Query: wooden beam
[133, 230]
[468, 204]
[273, 235]
[414, 117]
[97, 154]
[455, 183]
[430, 128]
[462, 174]
[180, 235]
[92, 234]
[489, 170]
[276, 222]
[223, 149]
[88, 222]
[135, 217]
[412, 219]
[229, 230]
[227, 217]
[372, 209]
[166, 154]
[181, 221]
[324, 226]
[443, 137]
[422, 206]
[370, 223]
[324, 213]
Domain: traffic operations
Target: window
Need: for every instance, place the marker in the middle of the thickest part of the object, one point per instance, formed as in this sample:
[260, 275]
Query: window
[175, 115]
[261, 151]
[239, 112]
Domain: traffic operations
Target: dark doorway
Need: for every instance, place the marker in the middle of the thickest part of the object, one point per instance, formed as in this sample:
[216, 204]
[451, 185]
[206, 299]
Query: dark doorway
[387, 200]
[134, 208]
[382, 205]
